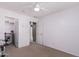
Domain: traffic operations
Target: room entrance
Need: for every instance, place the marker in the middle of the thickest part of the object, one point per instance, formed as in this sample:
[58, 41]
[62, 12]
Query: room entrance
[33, 31]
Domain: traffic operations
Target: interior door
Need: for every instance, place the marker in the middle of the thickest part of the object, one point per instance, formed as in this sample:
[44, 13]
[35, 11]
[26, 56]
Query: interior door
[34, 31]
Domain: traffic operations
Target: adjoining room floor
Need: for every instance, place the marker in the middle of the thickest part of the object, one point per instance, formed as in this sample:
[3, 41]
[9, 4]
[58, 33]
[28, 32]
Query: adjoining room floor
[35, 50]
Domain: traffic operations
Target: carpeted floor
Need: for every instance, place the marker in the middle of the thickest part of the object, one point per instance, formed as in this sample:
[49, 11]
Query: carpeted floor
[35, 50]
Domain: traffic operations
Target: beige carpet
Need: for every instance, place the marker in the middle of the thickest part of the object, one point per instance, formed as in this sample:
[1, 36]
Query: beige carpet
[35, 50]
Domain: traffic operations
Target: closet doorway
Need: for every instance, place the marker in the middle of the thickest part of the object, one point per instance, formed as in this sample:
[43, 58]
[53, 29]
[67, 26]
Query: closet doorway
[33, 31]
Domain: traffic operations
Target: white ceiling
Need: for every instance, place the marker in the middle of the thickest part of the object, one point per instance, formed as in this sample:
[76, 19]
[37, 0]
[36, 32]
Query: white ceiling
[27, 7]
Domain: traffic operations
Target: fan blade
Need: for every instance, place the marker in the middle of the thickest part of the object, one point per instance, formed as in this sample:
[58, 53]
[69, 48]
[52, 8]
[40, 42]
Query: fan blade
[44, 9]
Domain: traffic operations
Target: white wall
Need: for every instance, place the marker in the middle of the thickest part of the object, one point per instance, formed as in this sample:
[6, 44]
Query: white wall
[2, 28]
[9, 24]
[24, 31]
[60, 31]
[21, 28]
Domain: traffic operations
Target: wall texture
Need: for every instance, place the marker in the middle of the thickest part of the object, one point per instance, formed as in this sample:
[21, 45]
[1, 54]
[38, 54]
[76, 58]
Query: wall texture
[60, 31]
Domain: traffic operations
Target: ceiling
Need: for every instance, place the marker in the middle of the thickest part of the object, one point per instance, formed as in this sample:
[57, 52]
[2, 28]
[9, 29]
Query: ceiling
[27, 8]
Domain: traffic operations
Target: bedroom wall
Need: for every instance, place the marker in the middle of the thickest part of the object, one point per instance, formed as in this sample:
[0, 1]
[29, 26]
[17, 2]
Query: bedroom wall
[60, 31]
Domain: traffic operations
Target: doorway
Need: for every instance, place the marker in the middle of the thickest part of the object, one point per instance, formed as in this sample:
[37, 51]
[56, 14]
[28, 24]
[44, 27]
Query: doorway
[33, 31]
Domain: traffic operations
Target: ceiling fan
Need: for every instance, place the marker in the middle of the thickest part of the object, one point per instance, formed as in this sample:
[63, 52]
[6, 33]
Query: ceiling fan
[38, 8]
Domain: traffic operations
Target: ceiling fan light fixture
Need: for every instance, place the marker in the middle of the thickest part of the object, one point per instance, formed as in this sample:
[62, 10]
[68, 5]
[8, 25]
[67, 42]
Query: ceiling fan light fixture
[37, 9]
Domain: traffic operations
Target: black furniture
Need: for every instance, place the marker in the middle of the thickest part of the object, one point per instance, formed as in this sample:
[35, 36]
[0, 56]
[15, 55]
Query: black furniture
[5, 43]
